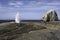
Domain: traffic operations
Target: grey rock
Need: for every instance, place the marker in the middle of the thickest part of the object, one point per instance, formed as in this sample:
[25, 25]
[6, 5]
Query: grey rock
[39, 35]
[50, 16]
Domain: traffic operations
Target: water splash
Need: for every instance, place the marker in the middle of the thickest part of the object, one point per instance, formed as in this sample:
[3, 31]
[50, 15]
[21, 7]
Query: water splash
[17, 18]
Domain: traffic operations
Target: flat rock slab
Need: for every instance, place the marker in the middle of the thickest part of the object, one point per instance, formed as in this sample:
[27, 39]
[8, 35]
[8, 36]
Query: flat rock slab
[40, 35]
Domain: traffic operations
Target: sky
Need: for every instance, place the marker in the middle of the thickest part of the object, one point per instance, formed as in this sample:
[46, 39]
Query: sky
[28, 9]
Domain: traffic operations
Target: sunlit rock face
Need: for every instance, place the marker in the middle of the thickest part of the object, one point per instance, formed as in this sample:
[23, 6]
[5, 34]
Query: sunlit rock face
[50, 16]
[17, 18]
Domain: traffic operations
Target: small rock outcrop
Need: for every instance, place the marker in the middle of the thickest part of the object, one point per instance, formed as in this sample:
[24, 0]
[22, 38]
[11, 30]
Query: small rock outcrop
[50, 16]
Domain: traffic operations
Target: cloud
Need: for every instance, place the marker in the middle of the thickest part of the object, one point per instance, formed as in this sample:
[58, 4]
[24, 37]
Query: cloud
[16, 4]
[54, 4]
[32, 5]
[48, 3]
[34, 8]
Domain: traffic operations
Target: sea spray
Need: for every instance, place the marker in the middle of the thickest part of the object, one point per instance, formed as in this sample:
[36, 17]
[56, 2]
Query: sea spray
[17, 19]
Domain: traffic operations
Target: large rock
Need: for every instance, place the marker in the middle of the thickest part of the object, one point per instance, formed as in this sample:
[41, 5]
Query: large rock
[50, 16]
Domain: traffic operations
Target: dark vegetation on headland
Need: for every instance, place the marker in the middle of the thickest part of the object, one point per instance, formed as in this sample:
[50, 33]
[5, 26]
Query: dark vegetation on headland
[3, 21]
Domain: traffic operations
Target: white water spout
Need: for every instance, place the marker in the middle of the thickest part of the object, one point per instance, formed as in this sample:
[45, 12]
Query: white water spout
[17, 18]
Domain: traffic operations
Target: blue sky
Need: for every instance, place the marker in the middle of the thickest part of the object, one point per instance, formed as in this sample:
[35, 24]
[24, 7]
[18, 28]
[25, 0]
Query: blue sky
[28, 9]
